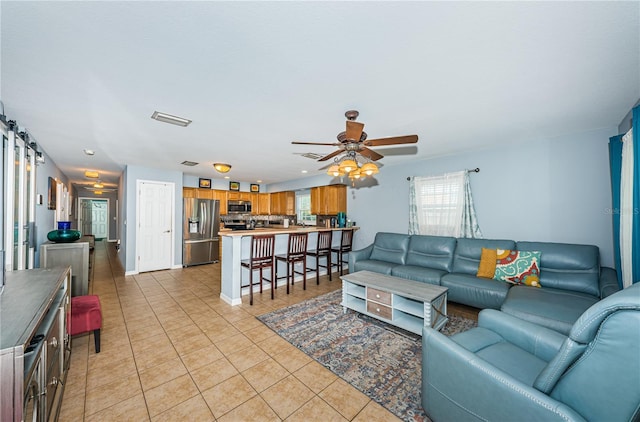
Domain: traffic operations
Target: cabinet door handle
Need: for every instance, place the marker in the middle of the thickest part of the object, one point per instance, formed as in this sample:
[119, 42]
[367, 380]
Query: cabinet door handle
[377, 309]
[377, 296]
[54, 342]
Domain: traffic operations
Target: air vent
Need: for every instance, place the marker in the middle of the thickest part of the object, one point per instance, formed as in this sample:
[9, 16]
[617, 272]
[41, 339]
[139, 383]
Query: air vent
[312, 155]
[189, 163]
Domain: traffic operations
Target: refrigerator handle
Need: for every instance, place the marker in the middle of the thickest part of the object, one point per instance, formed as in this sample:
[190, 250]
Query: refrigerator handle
[203, 213]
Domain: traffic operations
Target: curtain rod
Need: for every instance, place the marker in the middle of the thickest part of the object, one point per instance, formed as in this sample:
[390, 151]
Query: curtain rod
[475, 170]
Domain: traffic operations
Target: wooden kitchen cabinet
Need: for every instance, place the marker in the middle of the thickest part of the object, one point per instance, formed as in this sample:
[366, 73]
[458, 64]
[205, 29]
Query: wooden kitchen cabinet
[204, 193]
[220, 195]
[260, 204]
[328, 200]
[239, 196]
[283, 203]
[189, 192]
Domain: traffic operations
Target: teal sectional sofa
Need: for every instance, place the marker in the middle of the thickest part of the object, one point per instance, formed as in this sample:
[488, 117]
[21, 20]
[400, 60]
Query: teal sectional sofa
[570, 275]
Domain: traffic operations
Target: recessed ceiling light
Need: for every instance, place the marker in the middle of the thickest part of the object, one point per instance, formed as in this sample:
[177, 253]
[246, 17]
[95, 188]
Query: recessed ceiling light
[304, 171]
[168, 118]
[259, 181]
[227, 177]
[89, 152]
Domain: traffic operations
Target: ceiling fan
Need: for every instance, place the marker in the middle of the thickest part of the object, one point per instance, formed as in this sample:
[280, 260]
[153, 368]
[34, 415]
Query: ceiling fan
[354, 140]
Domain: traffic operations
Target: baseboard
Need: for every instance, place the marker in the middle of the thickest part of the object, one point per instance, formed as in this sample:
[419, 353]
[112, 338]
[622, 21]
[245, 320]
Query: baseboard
[126, 273]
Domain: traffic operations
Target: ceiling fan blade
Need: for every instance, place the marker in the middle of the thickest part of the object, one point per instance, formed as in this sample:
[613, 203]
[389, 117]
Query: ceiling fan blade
[370, 154]
[408, 139]
[333, 154]
[316, 143]
[354, 130]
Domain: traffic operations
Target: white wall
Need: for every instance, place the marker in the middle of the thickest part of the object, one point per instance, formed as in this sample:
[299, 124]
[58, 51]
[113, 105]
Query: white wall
[555, 190]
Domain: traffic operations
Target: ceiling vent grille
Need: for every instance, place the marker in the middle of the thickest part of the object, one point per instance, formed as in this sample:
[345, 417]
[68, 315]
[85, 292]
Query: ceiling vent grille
[189, 163]
[312, 155]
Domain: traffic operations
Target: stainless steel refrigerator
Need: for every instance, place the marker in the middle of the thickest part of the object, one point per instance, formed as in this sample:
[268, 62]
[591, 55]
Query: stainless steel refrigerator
[201, 243]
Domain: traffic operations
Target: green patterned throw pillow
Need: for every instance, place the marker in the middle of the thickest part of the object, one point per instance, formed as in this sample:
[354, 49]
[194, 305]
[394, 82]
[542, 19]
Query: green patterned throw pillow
[518, 267]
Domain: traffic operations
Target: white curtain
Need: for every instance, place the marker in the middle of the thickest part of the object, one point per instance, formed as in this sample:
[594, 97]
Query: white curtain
[626, 209]
[442, 206]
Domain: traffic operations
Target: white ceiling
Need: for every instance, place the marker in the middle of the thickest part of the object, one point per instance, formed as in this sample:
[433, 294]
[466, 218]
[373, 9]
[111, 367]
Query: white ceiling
[254, 76]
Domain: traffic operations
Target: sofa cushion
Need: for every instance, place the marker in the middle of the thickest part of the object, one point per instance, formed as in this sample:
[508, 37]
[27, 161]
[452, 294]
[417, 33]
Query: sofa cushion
[466, 257]
[474, 291]
[424, 274]
[567, 266]
[491, 347]
[552, 308]
[390, 247]
[431, 251]
[381, 267]
[518, 267]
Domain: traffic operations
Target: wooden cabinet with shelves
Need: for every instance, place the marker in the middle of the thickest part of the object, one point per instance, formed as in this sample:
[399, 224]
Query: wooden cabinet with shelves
[328, 200]
[204, 193]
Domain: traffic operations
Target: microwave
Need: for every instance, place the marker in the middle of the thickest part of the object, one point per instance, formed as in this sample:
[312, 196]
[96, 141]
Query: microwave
[238, 207]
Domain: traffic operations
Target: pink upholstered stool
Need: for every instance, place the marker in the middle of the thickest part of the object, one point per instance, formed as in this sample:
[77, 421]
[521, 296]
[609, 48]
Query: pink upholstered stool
[86, 315]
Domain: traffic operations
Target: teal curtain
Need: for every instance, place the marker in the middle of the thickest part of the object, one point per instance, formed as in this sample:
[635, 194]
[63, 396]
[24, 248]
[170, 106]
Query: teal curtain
[615, 161]
[615, 166]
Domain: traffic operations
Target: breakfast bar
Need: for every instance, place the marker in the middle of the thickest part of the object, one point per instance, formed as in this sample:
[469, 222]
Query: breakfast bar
[236, 246]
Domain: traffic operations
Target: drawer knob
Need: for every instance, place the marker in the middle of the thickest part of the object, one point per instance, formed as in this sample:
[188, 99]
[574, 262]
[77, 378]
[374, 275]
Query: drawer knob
[377, 309]
[54, 342]
[377, 296]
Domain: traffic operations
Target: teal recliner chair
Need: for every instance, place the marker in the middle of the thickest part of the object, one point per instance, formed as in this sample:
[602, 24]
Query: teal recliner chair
[509, 369]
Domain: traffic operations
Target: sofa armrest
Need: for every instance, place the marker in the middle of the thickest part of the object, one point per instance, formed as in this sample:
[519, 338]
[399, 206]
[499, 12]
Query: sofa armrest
[608, 282]
[359, 255]
[535, 339]
[457, 385]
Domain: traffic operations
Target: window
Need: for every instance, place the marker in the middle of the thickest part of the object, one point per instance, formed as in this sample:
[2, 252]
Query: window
[442, 206]
[303, 208]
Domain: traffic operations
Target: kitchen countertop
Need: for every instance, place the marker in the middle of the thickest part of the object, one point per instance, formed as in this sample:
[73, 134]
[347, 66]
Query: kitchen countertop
[277, 230]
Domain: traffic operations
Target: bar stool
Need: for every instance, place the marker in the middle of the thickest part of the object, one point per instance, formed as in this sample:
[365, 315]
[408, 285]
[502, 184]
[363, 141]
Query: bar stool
[296, 252]
[345, 247]
[262, 248]
[86, 315]
[323, 249]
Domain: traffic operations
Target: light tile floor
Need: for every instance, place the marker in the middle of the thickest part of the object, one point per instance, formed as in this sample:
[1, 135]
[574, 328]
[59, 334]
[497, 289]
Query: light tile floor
[172, 350]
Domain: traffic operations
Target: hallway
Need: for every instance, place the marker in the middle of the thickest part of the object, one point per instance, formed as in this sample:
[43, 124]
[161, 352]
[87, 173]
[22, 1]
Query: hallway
[172, 350]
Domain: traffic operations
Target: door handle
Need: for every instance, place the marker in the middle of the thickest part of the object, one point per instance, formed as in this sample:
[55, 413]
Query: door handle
[167, 231]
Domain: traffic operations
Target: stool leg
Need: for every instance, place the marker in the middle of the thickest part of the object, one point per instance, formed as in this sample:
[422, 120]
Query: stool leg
[96, 337]
[250, 285]
[304, 273]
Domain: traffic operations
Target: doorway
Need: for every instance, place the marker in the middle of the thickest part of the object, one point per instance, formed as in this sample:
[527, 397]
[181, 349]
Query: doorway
[155, 225]
[93, 217]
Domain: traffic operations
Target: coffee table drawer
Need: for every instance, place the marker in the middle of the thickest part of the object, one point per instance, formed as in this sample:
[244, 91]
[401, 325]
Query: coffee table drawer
[379, 310]
[379, 296]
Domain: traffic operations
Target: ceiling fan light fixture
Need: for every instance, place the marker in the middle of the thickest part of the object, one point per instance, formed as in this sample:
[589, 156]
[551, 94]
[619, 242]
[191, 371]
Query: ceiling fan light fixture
[348, 165]
[355, 174]
[335, 171]
[222, 167]
[369, 169]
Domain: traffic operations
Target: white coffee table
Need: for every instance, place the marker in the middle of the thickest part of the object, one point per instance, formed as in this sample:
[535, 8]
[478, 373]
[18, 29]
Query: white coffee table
[404, 303]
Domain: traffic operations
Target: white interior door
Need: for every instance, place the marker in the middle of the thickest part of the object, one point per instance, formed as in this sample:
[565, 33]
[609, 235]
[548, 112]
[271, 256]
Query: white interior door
[99, 218]
[155, 225]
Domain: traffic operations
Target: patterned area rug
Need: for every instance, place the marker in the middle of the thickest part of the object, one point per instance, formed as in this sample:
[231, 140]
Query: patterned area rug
[382, 361]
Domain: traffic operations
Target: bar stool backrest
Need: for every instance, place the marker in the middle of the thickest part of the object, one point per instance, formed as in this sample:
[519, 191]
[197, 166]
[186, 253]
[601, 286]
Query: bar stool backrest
[324, 241]
[345, 241]
[297, 246]
[262, 249]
